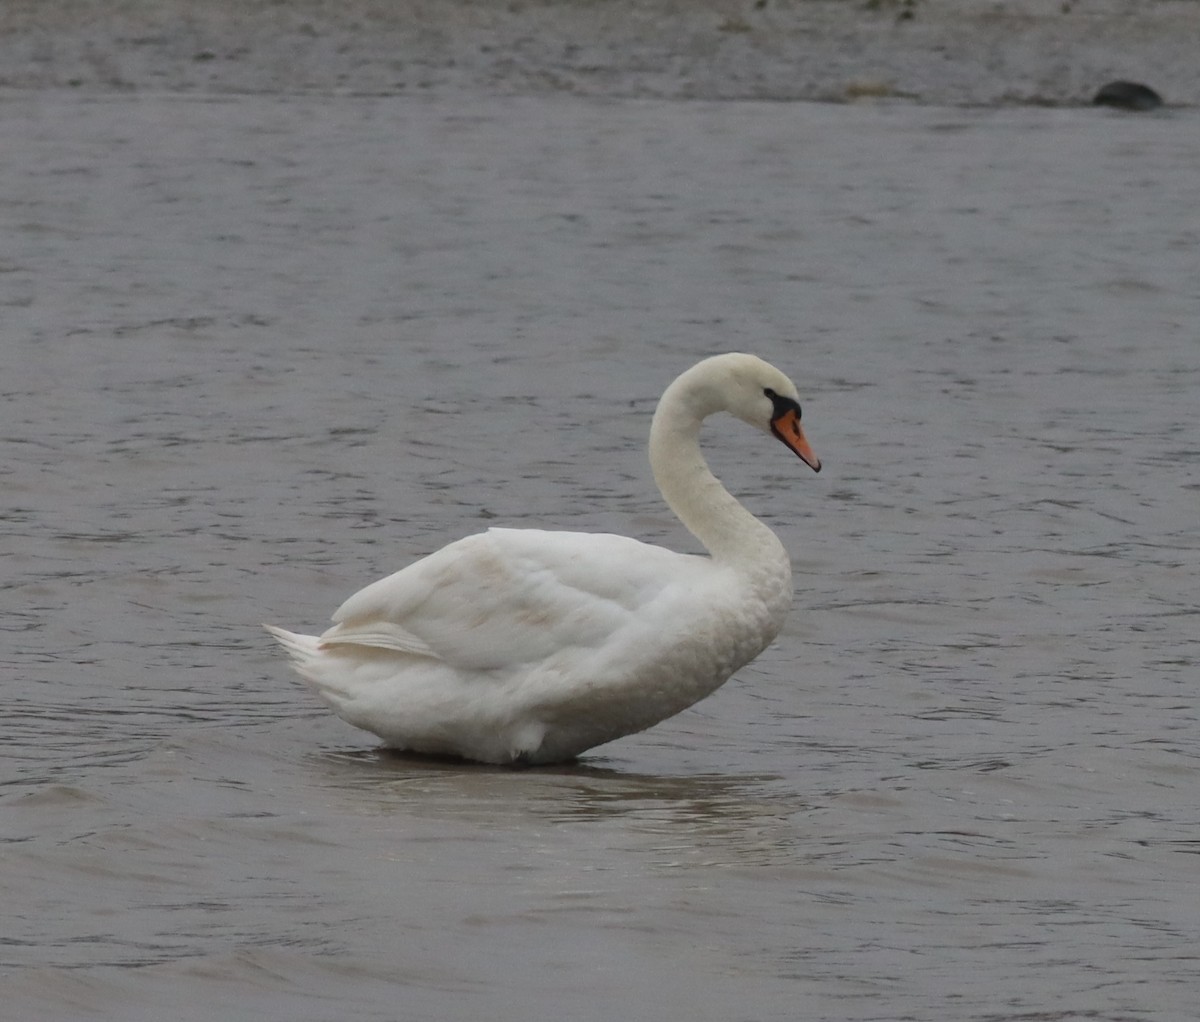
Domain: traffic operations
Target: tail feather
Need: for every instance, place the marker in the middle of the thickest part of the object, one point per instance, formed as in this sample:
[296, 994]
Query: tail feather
[304, 653]
[313, 664]
[301, 648]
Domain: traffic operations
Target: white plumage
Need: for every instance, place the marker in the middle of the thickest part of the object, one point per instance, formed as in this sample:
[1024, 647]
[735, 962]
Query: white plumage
[521, 645]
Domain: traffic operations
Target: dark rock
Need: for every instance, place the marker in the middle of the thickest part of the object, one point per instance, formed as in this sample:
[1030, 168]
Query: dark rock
[1128, 96]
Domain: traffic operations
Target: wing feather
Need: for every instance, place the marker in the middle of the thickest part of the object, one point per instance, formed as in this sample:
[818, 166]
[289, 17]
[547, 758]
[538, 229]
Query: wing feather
[379, 634]
[510, 596]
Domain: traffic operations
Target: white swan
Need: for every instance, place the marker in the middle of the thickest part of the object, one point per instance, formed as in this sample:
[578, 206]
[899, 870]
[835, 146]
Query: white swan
[519, 645]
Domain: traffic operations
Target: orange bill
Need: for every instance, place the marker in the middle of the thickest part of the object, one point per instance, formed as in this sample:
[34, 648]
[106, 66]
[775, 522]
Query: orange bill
[786, 426]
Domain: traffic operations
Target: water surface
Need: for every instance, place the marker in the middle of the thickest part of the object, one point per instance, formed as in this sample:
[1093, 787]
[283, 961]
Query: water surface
[261, 350]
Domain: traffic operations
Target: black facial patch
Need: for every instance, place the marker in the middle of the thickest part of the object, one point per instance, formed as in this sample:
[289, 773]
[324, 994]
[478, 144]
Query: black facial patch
[782, 405]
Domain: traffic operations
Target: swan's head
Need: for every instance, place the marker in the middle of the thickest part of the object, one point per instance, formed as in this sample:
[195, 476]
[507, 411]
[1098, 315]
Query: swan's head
[756, 392]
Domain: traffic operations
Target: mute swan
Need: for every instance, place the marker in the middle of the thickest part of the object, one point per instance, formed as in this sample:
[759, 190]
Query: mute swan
[526, 646]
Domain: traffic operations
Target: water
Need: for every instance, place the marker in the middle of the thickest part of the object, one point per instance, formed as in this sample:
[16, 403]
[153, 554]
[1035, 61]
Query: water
[261, 350]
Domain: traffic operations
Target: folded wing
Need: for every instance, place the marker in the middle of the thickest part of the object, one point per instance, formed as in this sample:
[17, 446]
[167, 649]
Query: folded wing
[511, 596]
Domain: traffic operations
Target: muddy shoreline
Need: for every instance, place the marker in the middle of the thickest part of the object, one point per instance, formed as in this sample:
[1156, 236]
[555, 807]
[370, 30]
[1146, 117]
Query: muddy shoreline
[956, 52]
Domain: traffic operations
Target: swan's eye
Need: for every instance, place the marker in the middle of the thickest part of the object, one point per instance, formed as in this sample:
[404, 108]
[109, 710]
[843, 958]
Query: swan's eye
[770, 393]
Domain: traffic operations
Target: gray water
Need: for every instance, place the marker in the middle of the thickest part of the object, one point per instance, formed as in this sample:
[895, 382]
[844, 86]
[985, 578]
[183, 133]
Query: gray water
[259, 351]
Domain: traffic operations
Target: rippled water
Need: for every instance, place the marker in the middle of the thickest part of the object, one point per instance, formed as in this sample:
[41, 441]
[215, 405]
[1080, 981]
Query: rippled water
[259, 351]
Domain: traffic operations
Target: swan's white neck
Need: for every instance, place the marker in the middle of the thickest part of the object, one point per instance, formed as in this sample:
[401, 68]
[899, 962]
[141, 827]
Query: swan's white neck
[730, 533]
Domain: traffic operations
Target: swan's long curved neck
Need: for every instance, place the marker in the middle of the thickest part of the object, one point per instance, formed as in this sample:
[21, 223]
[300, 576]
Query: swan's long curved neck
[730, 533]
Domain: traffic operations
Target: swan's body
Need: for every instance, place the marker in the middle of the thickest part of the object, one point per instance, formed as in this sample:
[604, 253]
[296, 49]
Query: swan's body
[533, 646]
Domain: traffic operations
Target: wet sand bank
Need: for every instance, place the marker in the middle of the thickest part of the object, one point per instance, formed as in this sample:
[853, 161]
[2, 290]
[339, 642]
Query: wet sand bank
[930, 51]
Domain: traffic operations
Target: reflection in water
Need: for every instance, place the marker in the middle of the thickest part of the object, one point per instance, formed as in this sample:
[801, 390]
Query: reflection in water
[732, 819]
